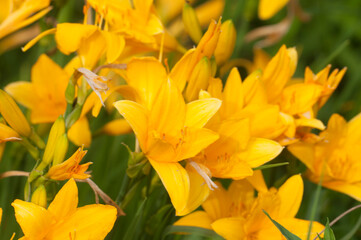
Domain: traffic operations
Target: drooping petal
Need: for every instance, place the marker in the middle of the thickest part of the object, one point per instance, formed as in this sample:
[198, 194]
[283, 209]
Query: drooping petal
[91, 222]
[230, 228]
[195, 219]
[176, 181]
[35, 221]
[198, 191]
[290, 193]
[136, 115]
[260, 151]
[65, 201]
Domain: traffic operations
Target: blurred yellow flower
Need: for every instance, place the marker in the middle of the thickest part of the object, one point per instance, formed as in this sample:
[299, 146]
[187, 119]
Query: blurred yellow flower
[18, 14]
[45, 94]
[168, 130]
[334, 155]
[70, 168]
[237, 213]
[63, 220]
[267, 8]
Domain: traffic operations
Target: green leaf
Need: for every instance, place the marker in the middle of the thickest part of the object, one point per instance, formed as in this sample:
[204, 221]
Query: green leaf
[271, 166]
[191, 230]
[134, 228]
[287, 234]
[328, 232]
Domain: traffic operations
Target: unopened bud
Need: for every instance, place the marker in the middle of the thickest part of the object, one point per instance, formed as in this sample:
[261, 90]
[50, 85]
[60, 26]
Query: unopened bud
[13, 115]
[191, 23]
[39, 196]
[61, 148]
[226, 42]
[57, 130]
[209, 41]
[199, 79]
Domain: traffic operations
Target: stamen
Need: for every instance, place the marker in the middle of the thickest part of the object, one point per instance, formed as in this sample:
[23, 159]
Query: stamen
[205, 176]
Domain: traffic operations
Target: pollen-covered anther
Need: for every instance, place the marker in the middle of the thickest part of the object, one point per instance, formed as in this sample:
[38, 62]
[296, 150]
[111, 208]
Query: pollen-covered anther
[205, 173]
[97, 83]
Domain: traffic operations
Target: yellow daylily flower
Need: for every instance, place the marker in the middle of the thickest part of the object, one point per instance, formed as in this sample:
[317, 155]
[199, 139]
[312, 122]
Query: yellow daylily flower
[45, 94]
[237, 150]
[1, 214]
[70, 168]
[267, 9]
[237, 214]
[334, 155]
[168, 130]
[14, 16]
[63, 220]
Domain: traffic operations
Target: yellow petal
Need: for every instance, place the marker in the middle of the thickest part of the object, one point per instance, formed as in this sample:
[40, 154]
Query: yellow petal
[313, 123]
[69, 36]
[168, 107]
[298, 98]
[115, 45]
[79, 133]
[65, 201]
[254, 90]
[23, 92]
[116, 127]
[90, 222]
[277, 74]
[35, 221]
[354, 129]
[8, 134]
[91, 50]
[199, 112]
[257, 181]
[217, 204]
[197, 140]
[268, 9]
[198, 191]
[234, 168]
[181, 71]
[300, 227]
[233, 97]
[304, 152]
[136, 115]
[146, 75]
[230, 228]
[352, 190]
[260, 151]
[13, 115]
[290, 193]
[195, 219]
[176, 181]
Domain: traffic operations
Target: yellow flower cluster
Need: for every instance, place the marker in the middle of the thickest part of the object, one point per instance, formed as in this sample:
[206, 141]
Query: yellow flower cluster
[190, 124]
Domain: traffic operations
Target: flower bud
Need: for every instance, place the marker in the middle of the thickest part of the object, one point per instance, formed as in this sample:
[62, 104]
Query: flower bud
[13, 115]
[57, 130]
[39, 196]
[191, 23]
[226, 42]
[61, 148]
[199, 79]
